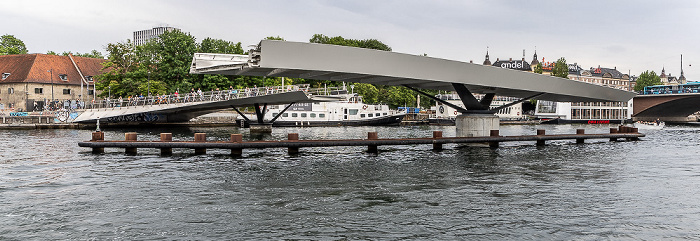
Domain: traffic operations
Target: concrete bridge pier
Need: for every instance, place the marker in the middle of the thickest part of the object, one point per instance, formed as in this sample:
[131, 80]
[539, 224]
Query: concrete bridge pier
[471, 125]
[261, 127]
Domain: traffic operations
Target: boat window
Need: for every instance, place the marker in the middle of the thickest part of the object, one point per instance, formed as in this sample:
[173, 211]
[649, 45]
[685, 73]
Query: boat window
[303, 114]
[312, 115]
[352, 111]
[362, 115]
[285, 114]
[294, 114]
[321, 115]
[275, 114]
[370, 115]
[384, 113]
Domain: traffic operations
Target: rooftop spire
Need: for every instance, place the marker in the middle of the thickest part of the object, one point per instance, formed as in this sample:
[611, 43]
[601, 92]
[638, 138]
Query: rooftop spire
[487, 61]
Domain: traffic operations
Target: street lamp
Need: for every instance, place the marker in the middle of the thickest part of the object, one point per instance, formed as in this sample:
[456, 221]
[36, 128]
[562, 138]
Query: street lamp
[149, 83]
[51, 77]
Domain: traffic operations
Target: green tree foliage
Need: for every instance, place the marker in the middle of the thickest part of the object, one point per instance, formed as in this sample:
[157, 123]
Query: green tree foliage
[369, 92]
[338, 40]
[647, 79]
[11, 45]
[538, 68]
[560, 68]
[162, 65]
[393, 95]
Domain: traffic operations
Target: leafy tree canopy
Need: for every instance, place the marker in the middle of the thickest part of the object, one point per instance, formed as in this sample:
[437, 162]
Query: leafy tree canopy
[338, 40]
[560, 68]
[93, 54]
[11, 45]
[647, 79]
[538, 68]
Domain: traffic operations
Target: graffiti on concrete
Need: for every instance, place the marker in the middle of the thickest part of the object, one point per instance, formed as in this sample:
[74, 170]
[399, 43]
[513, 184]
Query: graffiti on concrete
[140, 117]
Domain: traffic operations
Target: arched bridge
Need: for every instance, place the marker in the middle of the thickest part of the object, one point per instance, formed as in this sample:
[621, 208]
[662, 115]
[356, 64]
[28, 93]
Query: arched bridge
[666, 107]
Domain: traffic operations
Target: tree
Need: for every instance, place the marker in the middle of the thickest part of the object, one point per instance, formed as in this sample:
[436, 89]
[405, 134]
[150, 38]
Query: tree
[647, 79]
[538, 68]
[367, 91]
[338, 40]
[560, 68]
[11, 45]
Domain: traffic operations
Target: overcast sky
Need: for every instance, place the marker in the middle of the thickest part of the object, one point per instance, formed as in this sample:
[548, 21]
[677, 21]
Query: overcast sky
[633, 36]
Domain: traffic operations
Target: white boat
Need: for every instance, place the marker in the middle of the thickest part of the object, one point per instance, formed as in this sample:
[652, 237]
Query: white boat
[583, 112]
[649, 125]
[349, 110]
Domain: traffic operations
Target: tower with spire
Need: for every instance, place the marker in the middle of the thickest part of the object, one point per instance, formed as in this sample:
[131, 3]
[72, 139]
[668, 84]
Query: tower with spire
[681, 79]
[534, 59]
[487, 61]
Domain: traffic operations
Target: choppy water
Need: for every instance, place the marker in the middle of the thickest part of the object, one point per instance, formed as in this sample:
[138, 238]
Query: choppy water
[52, 189]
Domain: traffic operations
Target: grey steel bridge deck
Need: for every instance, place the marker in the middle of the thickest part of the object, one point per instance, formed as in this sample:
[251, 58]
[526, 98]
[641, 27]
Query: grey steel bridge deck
[340, 63]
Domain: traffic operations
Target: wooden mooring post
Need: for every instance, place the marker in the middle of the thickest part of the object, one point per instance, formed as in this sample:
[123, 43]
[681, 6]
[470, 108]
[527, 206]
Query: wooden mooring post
[540, 132]
[293, 137]
[372, 136]
[166, 137]
[97, 136]
[580, 132]
[130, 137]
[437, 146]
[236, 138]
[494, 133]
[200, 137]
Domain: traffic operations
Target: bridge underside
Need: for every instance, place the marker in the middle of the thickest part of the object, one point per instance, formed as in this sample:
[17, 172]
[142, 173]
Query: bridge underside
[669, 108]
[182, 112]
[348, 64]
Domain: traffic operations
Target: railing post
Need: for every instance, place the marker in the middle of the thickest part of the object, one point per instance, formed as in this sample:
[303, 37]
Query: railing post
[200, 137]
[372, 136]
[493, 133]
[293, 137]
[97, 136]
[580, 132]
[437, 146]
[540, 132]
[130, 137]
[237, 138]
[166, 137]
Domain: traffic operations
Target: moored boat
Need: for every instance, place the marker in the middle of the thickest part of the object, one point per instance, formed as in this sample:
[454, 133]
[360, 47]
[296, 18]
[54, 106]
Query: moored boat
[654, 125]
[349, 110]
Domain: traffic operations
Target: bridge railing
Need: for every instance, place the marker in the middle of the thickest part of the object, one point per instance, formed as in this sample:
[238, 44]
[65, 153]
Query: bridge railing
[208, 96]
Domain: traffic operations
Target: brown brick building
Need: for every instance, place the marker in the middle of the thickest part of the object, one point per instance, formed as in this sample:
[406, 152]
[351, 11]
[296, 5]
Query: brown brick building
[28, 82]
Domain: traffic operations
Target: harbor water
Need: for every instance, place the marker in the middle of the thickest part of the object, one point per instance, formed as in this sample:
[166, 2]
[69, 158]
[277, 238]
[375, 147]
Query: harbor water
[51, 189]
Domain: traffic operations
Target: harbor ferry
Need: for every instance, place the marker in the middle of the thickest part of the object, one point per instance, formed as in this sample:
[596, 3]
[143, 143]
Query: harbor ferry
[348, 110]
[445, 115]
[551, 112]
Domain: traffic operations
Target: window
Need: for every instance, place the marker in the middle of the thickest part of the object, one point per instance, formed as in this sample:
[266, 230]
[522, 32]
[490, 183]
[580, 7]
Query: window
[352, 111]
[88, 78]
[321, 115]
[91, 92]
[38, 90]
[384, 113]
[303, 114]
[294, 115]
[362, 115]
[63, 77]
[312, 115]
[285, 114]
[66, 91]
[370, 115]
[10, 90]
[5, 75]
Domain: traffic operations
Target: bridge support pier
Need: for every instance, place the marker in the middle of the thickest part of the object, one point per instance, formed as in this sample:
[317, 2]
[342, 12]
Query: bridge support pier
[470, 125]
[261, 128]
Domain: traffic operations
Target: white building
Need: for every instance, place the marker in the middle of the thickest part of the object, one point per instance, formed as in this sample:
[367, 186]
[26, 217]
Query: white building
[143, 36]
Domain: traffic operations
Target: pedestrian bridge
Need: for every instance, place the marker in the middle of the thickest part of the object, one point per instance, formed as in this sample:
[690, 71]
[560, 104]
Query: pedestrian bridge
[349, 64]
[169, 108]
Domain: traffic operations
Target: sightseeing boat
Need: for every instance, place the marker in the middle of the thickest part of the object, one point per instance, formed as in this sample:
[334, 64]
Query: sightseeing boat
[551, 112]
[348, 110]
